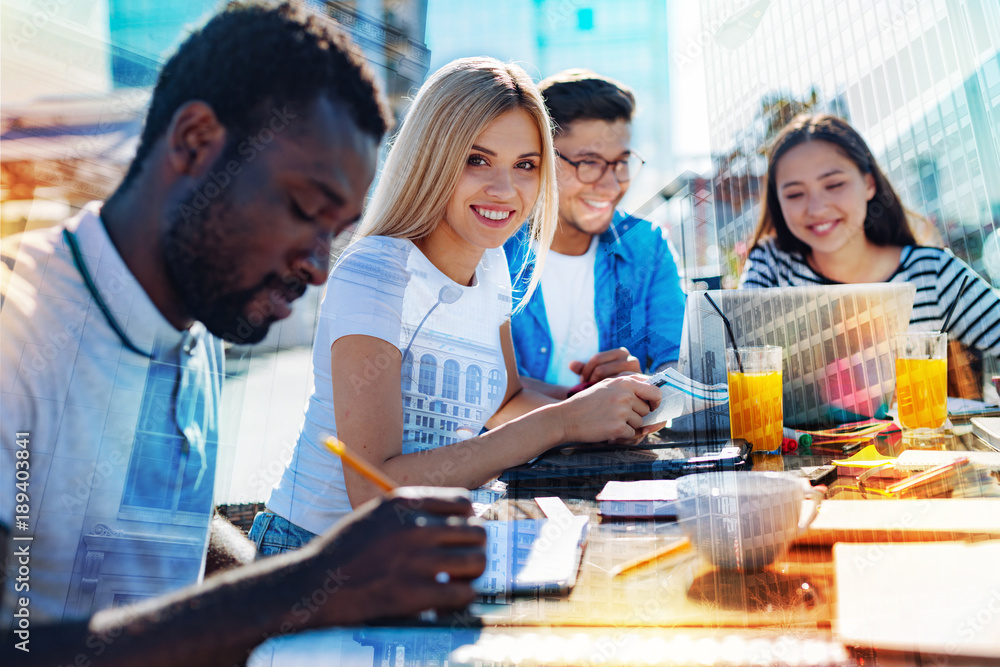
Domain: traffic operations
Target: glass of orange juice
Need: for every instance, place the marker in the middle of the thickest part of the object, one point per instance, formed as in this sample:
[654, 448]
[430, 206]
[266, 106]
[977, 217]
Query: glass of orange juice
[922, 379]
[755, 396]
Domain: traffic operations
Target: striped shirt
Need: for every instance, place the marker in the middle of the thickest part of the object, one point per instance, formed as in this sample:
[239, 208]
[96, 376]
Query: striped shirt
[936, 272]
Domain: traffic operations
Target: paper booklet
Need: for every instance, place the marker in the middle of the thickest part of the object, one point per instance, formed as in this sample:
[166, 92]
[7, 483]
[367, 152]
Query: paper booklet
[680, 395]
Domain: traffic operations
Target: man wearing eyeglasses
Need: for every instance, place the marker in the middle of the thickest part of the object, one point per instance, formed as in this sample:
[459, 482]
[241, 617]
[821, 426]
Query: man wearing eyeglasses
[610, 300]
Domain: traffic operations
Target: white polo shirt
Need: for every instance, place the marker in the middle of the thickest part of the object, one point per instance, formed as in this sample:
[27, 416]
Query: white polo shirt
[121, 445]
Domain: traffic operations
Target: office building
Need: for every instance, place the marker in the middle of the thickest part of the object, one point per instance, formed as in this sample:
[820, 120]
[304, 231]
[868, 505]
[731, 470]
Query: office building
[143, 34]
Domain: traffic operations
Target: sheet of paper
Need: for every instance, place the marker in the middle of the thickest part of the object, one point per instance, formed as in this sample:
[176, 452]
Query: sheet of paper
[553, 507]
[645, 489]
[933, 597]
[680, 395]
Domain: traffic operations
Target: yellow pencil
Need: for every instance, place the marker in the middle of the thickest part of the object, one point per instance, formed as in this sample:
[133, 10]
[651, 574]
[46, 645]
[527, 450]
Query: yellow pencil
[674, 547]
[362, 467]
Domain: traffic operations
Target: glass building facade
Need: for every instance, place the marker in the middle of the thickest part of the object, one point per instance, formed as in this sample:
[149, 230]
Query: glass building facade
[143, 33]
[919, 80]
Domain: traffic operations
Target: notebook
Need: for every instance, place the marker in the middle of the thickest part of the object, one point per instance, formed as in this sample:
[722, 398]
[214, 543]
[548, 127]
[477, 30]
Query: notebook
[836, 341]
[906, 520]
[988, 430]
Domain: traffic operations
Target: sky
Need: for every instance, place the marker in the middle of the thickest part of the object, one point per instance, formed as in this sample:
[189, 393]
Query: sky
[687, 86]
[686, 68]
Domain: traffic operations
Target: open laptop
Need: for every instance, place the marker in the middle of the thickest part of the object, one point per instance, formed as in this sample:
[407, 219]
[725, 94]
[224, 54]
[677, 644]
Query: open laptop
[836, 341]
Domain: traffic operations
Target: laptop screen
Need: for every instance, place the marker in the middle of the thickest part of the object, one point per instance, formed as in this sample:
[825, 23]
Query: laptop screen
[836, 339]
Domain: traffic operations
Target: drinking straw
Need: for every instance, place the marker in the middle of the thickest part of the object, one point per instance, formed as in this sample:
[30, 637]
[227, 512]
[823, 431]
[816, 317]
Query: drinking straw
[362, 467]
[951, 308]
[729, 330]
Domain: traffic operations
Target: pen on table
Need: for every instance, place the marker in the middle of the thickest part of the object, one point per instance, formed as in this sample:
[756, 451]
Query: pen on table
[674, 547]
[943, 475]
[360, 466]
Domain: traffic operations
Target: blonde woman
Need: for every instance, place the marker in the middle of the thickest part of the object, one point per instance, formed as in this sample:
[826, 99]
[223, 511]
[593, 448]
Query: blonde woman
[413, 353]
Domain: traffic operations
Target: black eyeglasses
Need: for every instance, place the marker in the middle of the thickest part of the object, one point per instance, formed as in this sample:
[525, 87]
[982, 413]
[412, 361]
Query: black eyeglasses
[592, 169]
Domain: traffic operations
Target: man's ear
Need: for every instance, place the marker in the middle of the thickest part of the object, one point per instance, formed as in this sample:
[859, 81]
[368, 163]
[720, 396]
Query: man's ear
[195, 139]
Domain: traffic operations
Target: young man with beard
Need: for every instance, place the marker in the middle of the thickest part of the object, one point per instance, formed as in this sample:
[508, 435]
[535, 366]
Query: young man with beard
[258, 148]
[610, 300]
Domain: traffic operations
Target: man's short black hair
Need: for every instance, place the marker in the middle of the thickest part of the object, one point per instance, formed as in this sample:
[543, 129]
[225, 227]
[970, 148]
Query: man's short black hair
[251, 59]
[580, 94]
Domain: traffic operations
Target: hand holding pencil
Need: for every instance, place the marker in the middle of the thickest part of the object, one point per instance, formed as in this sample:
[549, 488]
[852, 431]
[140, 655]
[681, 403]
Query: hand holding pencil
[383, 548]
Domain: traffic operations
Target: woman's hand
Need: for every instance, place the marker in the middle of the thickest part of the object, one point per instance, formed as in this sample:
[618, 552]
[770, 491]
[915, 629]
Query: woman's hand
[610, 410]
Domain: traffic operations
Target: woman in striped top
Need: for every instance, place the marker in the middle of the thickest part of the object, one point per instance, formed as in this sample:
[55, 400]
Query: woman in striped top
[831, 216]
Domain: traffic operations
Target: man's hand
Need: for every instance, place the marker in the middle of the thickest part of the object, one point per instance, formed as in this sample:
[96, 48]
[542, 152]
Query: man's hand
[396, 556]
[607, 364]
[385, 560]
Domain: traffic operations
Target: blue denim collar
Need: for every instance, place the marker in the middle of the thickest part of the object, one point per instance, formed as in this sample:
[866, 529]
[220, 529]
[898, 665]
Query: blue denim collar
[610, 241]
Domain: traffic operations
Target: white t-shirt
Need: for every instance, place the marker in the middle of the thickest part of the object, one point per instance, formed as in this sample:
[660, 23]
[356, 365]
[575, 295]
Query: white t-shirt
[121, 447]
[568, 293]
[453, 376]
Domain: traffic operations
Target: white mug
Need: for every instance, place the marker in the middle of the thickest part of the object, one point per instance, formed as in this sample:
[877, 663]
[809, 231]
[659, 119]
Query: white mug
[743, 520]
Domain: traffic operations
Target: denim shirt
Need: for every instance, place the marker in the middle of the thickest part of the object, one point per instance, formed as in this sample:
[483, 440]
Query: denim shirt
[638, 302]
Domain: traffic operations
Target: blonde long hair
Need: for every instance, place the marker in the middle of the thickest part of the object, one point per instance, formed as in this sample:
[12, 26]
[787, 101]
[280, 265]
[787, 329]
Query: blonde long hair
[428, 155]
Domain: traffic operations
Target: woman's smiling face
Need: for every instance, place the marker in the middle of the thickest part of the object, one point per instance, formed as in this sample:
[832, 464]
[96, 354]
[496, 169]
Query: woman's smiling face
[499, 184]
[823, 197]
